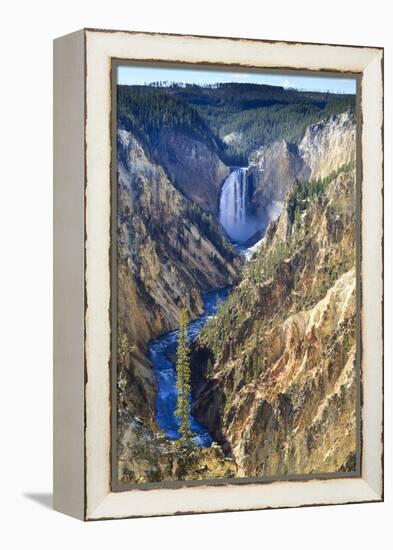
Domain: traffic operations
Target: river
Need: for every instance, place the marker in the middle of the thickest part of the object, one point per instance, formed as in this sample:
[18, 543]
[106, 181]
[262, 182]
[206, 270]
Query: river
[162, 355]
[240, 225]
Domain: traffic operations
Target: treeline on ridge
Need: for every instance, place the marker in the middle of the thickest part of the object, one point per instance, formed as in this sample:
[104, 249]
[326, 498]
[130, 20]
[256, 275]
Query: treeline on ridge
[253, 114]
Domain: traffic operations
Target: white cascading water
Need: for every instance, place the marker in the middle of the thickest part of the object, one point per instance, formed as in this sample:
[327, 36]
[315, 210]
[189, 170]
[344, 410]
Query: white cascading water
[233, 207]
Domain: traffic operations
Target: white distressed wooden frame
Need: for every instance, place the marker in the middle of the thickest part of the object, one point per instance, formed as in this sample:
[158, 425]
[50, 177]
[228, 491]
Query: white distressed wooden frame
[82, 108]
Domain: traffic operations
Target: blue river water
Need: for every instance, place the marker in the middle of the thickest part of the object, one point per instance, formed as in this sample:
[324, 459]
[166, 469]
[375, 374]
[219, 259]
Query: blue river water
[162, 353]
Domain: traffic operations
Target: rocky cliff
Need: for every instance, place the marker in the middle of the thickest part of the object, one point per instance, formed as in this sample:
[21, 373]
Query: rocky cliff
[176, 137]
[272, 170]
[273, 373]
[326, 146]
[169, 249]
[279, 394]
[193, 166]
[329, 144]
[147, 456]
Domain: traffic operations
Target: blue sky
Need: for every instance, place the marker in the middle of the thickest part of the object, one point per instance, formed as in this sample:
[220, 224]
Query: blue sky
[128, 74]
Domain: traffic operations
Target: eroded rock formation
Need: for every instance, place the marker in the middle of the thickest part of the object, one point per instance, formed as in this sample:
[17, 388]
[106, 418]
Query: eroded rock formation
[146, 456]
[281, 399]
[273, 374]
[329, 144]
[273, 169]
[169, 249]
[193, 167]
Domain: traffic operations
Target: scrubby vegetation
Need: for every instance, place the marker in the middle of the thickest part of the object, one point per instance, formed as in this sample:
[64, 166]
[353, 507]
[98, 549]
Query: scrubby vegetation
[262, 271]
[207, 226]
[303, 191]
[124, 370]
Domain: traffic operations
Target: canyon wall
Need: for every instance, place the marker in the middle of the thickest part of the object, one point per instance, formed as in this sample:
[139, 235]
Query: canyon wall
[273, 373]
[193, 166]
[279, 395]
[273, 169]
[329, 144]
[169, 250]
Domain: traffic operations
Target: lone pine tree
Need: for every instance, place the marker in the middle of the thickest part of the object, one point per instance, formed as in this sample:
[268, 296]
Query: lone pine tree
[183, 383]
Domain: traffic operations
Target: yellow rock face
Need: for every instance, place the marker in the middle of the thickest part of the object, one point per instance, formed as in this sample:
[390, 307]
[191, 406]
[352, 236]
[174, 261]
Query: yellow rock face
[329, 144]
[163, 258]
[282, 398]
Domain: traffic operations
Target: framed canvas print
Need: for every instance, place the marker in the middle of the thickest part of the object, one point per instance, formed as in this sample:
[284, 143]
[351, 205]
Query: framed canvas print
[218, 274]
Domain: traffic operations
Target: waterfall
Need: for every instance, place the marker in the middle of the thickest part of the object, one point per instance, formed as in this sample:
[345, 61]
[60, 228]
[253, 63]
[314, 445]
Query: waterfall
[233, 207]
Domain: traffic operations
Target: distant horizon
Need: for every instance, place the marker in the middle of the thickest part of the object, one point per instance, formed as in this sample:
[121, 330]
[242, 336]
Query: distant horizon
[132, 75]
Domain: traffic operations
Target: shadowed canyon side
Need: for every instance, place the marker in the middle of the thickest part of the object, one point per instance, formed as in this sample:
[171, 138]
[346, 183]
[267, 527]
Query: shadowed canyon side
[231, 207]
[280, 397]
[168, 249]
[167, 245]
[193, 166]
[178, 139]
[273, 169]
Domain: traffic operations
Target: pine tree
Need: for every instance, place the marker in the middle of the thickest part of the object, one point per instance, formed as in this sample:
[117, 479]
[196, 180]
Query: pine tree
[183, 384]
[209, 369]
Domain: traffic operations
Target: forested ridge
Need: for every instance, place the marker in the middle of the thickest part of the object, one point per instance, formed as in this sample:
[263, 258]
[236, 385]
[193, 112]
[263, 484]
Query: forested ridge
[233, 119]
[145, 110]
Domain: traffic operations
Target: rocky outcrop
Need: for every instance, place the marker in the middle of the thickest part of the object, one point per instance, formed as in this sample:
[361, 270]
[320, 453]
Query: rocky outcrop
[193, 166]
[272, 171]
[145, 456]
[280, 396]
[168, 248]
[329, 144]
[233, 137]
[325, 147]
